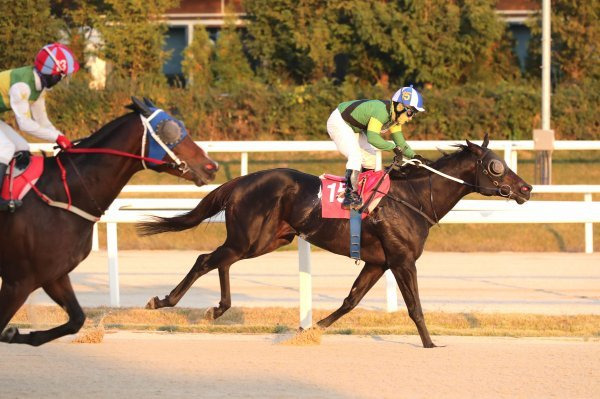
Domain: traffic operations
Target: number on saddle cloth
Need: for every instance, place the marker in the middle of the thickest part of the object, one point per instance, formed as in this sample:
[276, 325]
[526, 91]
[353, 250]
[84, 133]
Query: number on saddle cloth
[332, 189]
[333, 186]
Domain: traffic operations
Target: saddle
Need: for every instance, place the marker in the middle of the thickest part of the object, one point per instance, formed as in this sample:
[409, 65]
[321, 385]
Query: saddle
[23, 172]
[332, 192]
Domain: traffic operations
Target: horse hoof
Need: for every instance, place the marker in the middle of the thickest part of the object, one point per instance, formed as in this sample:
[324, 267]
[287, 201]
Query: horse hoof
[9, 334]
[152, 303]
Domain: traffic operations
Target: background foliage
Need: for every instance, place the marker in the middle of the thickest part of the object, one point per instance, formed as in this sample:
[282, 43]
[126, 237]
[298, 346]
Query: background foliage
[281, 75]
[25, 27]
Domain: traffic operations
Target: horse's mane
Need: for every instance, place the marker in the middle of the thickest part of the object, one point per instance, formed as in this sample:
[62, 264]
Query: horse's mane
[409, 171]
[95, 138]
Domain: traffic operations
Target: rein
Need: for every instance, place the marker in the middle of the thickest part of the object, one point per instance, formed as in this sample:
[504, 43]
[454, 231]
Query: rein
[503, 190]
[181, 165]
[115, 152]
[62, 205]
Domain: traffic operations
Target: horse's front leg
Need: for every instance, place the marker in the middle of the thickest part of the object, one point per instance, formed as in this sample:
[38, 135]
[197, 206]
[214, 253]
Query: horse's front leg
[12, 297]
[406, 276]
[367, 278]
[61, 291]
[225, 303]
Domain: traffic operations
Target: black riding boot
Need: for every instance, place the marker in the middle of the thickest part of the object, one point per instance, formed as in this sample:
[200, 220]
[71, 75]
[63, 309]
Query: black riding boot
[351, 198]
[6, 205]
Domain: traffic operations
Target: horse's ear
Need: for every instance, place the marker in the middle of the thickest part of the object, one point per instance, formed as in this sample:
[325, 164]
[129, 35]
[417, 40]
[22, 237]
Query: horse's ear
[486, 141]
[149, 102]
[474, 148]
[140, 107]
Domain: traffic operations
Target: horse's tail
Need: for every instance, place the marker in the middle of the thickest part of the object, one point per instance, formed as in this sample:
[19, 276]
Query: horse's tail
[209, 206]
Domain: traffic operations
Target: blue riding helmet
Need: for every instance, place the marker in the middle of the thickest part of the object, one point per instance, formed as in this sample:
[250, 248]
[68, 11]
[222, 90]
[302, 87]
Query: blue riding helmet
[410, 98]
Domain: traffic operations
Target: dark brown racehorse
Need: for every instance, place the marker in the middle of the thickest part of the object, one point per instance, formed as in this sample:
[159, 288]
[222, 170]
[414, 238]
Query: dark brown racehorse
[265, 210]
[41, 244]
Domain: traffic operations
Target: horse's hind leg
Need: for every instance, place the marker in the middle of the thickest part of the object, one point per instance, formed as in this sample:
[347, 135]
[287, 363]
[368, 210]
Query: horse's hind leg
[364, 282]
[61, 291]
[12, 297]
[225, 302]
[222, 258]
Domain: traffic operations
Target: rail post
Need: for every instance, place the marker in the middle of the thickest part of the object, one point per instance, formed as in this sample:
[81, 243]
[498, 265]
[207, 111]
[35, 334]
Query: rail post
[95, 241]
[305, 283]
[589, 229]
[113, 263]
[244, 164]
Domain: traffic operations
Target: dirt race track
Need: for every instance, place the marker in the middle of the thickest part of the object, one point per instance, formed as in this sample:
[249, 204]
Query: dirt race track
[159, 365]
[162, 365]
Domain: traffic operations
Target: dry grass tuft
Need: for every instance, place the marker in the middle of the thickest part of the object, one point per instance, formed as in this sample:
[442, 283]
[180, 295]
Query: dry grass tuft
[134, 316]
[93, 335]
[312, 336]
[278, 320]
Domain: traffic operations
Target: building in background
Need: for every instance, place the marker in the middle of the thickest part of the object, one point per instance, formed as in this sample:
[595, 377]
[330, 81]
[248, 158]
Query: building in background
[516, 13]
[181, 21]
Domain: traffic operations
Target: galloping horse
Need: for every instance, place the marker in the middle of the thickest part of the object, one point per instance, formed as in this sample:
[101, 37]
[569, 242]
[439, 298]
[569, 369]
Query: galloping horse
[41, 244]
[265, 210]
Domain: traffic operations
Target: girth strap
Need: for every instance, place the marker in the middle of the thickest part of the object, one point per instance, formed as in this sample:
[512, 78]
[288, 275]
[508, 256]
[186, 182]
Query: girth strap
[355, 229]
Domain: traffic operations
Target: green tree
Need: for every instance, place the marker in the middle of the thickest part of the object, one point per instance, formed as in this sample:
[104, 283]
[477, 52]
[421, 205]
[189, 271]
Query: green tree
[231, 67]
[435, 42]
[196, 58]
[292, 40]
[25, 27]
[133, 34]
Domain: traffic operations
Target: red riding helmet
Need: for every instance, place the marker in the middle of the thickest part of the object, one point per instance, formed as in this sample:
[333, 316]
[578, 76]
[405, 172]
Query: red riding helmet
[56, 59]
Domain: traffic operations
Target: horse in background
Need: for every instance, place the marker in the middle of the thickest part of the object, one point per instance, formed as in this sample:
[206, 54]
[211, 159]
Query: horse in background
[40, 244]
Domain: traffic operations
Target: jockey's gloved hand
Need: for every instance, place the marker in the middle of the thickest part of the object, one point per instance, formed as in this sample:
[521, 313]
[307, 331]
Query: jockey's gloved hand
[397, 158]
[423, 160]
[63, 142]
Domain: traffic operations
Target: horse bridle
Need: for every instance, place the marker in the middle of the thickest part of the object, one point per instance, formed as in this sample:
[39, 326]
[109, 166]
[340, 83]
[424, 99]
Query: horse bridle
[177, 163]
[494, 169]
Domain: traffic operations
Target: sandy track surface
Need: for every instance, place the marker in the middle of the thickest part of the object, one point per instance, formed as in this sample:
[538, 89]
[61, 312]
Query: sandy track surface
[159, 365]
[546, 283]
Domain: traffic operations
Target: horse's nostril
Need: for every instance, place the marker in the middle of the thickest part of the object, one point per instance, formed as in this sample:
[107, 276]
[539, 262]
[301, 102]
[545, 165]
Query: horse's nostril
[525, 189]
[209, 166]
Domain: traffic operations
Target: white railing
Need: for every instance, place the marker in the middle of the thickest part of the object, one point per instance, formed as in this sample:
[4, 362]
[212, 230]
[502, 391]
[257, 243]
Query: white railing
[466, 211]
[509, 147]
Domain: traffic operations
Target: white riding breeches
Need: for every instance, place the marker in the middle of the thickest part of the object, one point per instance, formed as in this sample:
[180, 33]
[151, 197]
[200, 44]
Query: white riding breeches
[357, 150]
[10, 142]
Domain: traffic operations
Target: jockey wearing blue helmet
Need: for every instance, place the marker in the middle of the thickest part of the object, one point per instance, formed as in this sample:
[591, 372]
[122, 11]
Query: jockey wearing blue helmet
[367, 119]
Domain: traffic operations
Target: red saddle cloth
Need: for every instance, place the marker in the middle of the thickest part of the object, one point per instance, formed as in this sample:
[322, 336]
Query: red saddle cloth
[332, 193]
[21, 183]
